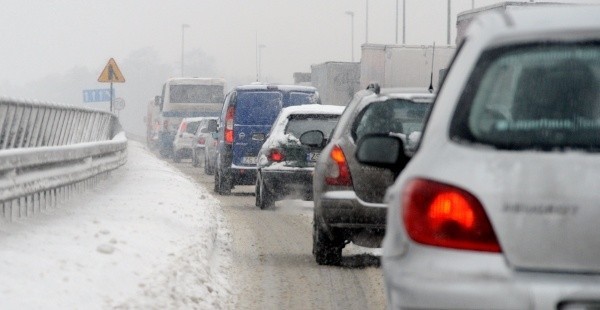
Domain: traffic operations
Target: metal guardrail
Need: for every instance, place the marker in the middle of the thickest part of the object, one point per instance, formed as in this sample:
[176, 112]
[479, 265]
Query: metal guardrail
[50, 151]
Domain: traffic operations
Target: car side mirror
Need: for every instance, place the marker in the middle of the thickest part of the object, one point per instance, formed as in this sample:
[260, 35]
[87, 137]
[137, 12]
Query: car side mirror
[382, 150]
[312, 138]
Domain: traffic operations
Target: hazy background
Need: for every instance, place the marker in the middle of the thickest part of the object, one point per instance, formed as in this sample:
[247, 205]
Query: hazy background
[54, 49]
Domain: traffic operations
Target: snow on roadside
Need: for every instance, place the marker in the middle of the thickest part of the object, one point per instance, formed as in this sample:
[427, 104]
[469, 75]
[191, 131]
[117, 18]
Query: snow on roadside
[147, 237]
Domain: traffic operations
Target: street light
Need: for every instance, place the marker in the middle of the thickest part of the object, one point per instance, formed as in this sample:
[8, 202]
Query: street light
[183, 26]
[260, 47]
[351, 14]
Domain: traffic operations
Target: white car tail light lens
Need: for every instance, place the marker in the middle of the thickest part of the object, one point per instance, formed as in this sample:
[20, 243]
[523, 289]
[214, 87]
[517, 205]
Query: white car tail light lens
[443, 215]
[229, 125]
[339, 172]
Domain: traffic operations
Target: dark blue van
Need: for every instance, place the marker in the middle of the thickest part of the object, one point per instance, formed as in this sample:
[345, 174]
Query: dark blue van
[247, 116]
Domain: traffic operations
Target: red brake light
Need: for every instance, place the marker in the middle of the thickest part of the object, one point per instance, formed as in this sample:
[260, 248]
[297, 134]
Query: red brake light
[276, 155]
[201, 140]
[443, 215]
[339, 173]
[229, 125]
[183, 127]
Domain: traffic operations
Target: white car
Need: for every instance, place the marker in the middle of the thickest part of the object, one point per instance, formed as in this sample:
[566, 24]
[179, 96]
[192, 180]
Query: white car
[500, 205]
[185, 138]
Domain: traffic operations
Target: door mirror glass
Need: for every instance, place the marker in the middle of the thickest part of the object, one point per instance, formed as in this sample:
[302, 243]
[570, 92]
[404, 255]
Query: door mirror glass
[312, 138]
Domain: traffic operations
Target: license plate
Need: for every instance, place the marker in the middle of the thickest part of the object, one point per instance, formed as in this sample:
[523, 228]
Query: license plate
[312, 156]
[249, 160]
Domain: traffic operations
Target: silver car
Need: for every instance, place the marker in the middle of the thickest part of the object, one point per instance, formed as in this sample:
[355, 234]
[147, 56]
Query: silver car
[206, 127]
[348, 196]
[498, 208]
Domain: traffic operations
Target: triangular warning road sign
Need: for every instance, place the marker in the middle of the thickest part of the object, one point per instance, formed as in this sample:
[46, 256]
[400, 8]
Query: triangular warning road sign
[111, 73]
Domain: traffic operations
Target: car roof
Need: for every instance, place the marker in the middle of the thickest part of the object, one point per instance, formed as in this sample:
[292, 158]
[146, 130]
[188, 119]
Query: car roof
[531, 24]
[313, 109]
[282, 87]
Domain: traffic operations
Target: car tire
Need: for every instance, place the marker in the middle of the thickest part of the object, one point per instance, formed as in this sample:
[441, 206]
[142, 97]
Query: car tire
[176, 156]
[326, 250]
[222, 184]
[164, 152]
[208, 169]
[264, 199]
[195, 161]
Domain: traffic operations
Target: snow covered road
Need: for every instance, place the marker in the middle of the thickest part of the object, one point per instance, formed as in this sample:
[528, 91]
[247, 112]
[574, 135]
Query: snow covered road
[146, 237]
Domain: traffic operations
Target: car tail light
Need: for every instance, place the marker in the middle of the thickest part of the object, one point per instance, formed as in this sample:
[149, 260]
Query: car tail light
[183, 127]
[201, 140]
[339, 172]
[215, 143]
[276, 155]
[229, 125]
[443, 215]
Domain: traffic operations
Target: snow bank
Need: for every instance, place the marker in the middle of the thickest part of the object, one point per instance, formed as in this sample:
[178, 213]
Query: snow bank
[147, 237]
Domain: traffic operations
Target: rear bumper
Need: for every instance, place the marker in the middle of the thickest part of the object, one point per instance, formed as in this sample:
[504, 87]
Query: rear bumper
[293, 184]
[431, 278]
[344, 209]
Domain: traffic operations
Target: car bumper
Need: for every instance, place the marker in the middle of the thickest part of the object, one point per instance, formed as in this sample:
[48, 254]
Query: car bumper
[450, 279]
[345, 209]
[294, 184]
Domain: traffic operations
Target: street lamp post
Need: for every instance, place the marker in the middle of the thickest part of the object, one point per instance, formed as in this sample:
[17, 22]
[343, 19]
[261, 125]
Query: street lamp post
[367, 22]
[351, 14]
[260, 47]
[183, 26]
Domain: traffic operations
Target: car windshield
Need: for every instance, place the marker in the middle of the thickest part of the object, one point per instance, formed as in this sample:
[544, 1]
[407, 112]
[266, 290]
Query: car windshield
[536, 96]
[301, 123]
[391, 116]
[196, 93]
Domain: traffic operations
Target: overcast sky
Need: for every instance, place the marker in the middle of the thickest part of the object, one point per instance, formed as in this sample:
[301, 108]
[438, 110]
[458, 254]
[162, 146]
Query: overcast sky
[45, 37]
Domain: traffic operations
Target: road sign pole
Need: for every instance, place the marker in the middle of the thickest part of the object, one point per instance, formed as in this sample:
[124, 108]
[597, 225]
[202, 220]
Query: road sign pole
[111, 97]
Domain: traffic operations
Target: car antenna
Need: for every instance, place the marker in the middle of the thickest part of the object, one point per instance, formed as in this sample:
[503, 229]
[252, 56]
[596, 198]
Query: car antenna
[431, 77]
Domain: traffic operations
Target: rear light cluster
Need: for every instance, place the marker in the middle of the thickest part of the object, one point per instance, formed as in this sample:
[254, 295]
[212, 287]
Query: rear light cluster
[338, 173]
[229, 125]
[183, 127]
[442, 215]
[201, 140]
[276, 155]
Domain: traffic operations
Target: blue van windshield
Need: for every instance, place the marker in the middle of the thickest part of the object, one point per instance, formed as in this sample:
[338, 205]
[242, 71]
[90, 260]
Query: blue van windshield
[257, 107]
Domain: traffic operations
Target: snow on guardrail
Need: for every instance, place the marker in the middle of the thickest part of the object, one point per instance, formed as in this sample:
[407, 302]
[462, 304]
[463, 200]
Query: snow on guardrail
[49, 151]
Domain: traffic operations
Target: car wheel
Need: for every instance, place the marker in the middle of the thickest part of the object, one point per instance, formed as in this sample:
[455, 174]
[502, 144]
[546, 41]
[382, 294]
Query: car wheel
[264, 199]
[222, 184]
[164, 152]
[176, 156]
[207, 168]
[326, 250]
[195, 161]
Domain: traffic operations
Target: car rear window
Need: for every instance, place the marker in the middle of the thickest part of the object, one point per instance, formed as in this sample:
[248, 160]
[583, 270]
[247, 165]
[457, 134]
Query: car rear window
[542, 97]
[301, 123]
[257, 107]
[192, 127]
[300, 98]
[390, 116]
